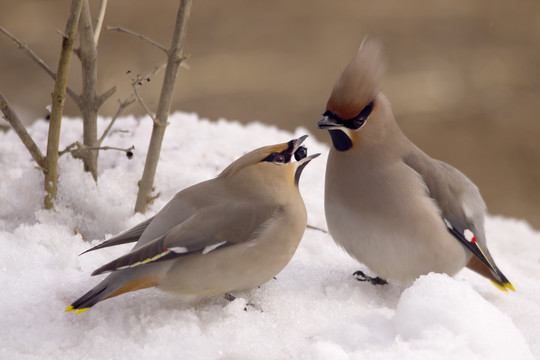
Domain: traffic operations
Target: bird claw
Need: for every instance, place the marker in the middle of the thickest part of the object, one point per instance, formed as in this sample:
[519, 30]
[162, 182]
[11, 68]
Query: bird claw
[231, 298]
[360, 276]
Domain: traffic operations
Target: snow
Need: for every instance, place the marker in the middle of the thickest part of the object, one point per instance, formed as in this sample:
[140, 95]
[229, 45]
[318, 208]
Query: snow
[315, 309]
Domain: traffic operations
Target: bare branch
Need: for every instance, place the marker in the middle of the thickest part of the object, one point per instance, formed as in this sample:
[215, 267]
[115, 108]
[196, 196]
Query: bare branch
[142, 37]
[128, 101]
[134, 86]
[99, 21]
[155, 70]
[174, 59]
[316, 228]
[58, 100]
[29, 51]
[19, 128]
[69, 148]
[136, 82]
[103, 97]
[72, 94]
[151, 200]
[78, 150]
[123, 104]
[89, 104]
[132, 147]
[81, 149]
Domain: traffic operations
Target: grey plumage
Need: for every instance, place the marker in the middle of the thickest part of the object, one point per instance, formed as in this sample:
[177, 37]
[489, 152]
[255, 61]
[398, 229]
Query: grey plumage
[387, 203]
[231, 233]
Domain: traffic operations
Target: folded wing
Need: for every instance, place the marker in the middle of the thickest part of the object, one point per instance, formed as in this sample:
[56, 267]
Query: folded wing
[208, 230]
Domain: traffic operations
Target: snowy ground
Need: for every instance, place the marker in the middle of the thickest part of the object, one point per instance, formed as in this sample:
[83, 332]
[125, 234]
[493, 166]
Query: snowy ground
[314, 310]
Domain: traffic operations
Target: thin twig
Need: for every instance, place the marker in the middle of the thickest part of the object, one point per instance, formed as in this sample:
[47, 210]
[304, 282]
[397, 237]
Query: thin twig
[155, 70]
[135, 83]
[123, 104]
[128, 101]
[97, 148]
[132, 147]
[99, 21]
[19, 128]
[72, 94]
[142, 37]
[316, 228]
[142, 103]
[69, 148]
[77, 149]
[103, 97]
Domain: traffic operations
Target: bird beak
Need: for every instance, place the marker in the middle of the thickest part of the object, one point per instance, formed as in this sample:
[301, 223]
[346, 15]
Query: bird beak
[307, 159]
[301, 159]
[300, 152]
[328, 123]
[297, 142]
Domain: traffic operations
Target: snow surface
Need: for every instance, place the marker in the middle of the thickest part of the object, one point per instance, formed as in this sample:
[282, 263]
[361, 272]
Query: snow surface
[314, 310]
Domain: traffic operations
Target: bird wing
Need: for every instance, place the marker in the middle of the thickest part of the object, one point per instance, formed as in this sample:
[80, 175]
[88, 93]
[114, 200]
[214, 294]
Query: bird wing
[181, 207]
[208, 230]
[462, 208]
[131, 235]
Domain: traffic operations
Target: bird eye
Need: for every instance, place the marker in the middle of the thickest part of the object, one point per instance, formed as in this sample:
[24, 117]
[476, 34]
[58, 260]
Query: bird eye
[300, 153]
[360, 119]
[279, 158]
[358, 122]
[276, 158]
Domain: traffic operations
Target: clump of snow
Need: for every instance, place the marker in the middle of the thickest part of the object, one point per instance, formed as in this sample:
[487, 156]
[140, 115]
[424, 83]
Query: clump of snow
[456, 321]
[314, 309]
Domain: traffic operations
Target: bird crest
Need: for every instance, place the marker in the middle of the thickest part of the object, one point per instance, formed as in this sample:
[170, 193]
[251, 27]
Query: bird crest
[359, 83]
[252, 158]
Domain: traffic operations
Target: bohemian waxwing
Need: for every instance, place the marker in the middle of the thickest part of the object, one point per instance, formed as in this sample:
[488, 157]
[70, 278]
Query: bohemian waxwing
[231, 233]
[387, 203]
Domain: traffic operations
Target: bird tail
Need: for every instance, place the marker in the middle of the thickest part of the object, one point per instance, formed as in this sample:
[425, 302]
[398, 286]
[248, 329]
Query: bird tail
[114, 285]
[494, 274]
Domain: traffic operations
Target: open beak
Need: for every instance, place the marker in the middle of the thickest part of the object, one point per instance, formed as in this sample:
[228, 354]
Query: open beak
[296, 143]
[300, 152]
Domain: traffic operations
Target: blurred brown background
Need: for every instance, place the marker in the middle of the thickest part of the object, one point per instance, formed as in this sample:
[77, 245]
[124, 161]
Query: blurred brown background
[463, 76]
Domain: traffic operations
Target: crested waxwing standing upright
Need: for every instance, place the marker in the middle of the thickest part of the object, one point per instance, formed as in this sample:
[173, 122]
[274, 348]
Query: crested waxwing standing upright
[387, 203]
[231, 233]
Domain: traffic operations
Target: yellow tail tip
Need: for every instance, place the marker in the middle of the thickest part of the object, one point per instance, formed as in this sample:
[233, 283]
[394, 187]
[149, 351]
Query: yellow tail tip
[77, 311]
[504, 287]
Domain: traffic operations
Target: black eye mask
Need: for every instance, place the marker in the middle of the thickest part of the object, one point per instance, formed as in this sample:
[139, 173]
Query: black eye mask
[285, 156]
[354, 123]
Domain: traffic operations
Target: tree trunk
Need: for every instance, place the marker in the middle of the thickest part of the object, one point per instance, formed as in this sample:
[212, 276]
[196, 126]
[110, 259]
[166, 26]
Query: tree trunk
[58, 99]
[174, 59]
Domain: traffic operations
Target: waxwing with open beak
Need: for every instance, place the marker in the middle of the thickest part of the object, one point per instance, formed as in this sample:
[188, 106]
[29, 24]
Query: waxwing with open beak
[231, 233]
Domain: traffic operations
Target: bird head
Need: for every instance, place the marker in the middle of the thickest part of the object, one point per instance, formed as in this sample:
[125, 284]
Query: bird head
[272, 168]
[355, 100]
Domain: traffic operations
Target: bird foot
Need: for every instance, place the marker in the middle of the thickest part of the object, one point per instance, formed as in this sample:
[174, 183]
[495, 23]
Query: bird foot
[360, 276]
[231, 298]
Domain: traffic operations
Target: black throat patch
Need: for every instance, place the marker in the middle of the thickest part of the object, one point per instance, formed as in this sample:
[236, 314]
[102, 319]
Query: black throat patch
[340, 140]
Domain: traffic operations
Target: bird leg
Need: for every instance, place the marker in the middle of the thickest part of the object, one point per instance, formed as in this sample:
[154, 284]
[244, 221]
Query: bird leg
[231, 298]
[360, 276]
